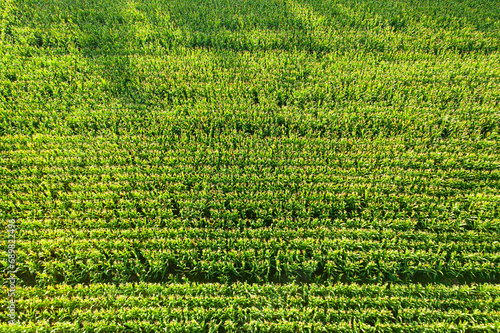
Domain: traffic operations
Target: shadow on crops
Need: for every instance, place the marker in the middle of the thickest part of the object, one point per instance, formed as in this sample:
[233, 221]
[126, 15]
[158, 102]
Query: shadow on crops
[403, 14]
[243, 25]
[139, 27]
[459, 26]
[336, 25]
[110, 34]
[105, 34]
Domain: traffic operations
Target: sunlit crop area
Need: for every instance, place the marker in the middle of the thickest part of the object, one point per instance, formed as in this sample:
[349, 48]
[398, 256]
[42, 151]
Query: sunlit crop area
[251, 166]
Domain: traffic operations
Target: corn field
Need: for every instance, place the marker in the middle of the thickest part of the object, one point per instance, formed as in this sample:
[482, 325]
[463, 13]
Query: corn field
[250, 166]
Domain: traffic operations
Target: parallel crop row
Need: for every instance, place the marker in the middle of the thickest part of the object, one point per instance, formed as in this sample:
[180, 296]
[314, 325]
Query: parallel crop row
[252, 179]
[263, 308]
[262, 255]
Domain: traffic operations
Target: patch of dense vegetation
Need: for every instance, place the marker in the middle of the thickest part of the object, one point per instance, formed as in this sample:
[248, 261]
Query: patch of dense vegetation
[248, 166]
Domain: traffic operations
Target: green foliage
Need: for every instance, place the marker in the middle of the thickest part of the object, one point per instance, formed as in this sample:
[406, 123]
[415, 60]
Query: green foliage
[240, 307]
[252, 166]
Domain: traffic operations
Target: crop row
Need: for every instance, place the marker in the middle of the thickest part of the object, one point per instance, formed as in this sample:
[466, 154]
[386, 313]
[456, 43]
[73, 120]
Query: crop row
[471, 229]
[273, 123]
[226, 211]
[350, 290]
[255, 152]
[265, 128]
[271, 308]
[274, 258]
[337, 303]
[49, 229]
[265, 180]
[311, 315]
[108, 324]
